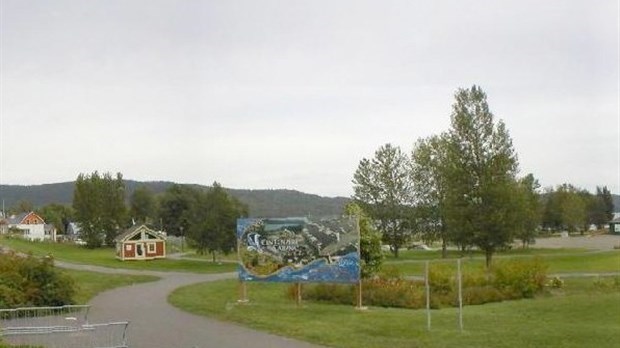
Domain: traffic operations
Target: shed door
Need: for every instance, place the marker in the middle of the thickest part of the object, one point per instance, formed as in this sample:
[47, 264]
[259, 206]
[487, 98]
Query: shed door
[140, 251]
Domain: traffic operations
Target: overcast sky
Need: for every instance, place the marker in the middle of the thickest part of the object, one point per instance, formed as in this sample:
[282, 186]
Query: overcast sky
[293, 94]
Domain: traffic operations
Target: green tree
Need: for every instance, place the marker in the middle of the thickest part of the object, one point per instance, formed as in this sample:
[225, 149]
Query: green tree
[382, 188]
[87, 207]
[573, 208]
[174, 207]
[57, 214]
[601, 207]
[530, 208]
[99, 204]
[114, 213]
[371, 255]
[213, 220]
[566, 208]
[480, 204]
[429, 177]
[552, 217]
[142, 205]
[21, 206]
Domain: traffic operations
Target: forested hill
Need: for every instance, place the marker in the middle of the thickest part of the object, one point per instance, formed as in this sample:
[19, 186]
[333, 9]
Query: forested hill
[264, 203]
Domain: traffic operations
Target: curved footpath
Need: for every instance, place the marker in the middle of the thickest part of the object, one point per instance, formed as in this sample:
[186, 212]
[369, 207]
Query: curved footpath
[154, 323]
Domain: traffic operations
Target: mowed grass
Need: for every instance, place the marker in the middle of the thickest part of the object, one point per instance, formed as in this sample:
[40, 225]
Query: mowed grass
[89, 284]
[581, 315]
[106, 257]
[568, 261]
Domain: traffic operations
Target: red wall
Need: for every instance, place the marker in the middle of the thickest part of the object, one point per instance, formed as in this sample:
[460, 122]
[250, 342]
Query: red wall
[160, 248]
[131, 253]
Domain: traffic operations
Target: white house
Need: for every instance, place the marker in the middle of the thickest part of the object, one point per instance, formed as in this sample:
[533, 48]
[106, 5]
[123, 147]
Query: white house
[31, 225]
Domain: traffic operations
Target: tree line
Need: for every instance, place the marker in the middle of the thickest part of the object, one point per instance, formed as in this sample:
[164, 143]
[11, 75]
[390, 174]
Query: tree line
[462, 187]
[206, 216]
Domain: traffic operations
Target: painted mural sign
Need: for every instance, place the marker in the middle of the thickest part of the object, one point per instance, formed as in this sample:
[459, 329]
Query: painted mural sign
[299, 250]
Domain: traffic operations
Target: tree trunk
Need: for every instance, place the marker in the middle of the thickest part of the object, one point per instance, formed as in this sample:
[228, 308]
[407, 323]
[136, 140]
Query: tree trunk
[489, 255]
[395, 251]
[213, 254]
[444, 248]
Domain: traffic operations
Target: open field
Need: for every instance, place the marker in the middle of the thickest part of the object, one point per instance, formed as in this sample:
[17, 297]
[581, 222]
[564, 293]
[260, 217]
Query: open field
[106, 257]
[423, 255]
[588, 241]
[583, 314]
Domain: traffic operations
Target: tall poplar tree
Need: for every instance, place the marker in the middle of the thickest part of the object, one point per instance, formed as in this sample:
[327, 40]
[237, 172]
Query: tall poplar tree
[481, 204]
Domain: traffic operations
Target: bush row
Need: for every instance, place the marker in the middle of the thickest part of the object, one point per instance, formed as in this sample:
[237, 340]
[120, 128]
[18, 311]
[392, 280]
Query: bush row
[506, 280]
[30, 281]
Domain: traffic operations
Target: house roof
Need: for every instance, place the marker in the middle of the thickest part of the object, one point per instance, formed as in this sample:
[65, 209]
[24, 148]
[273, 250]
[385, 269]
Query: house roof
[18, 219]
[135, 229]
[615, 221]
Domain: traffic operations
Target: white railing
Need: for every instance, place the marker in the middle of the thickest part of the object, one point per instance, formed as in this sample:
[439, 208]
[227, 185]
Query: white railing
[59, 327]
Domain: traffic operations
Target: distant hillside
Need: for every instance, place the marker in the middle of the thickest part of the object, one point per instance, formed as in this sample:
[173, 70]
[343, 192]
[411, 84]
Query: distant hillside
[264, 203]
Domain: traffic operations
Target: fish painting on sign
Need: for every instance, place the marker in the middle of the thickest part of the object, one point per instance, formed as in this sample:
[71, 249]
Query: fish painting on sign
[299, 250]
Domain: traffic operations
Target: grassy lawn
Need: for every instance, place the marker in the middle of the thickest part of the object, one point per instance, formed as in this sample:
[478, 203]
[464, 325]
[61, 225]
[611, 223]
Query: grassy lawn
[106, 257]
[571, 260]
[90, 284]
[581, 315]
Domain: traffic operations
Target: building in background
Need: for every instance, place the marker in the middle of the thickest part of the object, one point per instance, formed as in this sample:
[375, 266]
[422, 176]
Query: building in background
[29, 225]
[140, 243]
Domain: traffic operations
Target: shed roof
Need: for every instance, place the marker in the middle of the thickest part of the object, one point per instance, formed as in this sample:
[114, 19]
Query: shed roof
[135, 229]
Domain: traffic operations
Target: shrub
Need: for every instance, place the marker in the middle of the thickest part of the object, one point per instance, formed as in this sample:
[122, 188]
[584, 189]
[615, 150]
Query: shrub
[507, 280]
[520, 278]
[332, 293]
[395, 292]
[476, 295]
[28, 281]
[441, 279]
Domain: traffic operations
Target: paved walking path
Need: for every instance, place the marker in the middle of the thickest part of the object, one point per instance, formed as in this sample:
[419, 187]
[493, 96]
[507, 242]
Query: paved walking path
[154, 323]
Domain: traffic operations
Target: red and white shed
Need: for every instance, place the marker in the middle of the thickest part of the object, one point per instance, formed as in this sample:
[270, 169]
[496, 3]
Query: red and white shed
[140, 243]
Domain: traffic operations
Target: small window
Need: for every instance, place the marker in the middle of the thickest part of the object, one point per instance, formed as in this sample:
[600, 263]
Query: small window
[151, 248]
[128, 247]
[138, 236]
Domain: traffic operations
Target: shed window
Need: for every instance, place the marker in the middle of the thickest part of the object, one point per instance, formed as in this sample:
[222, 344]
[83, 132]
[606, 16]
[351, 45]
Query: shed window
[127, 247]
[151, 247]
